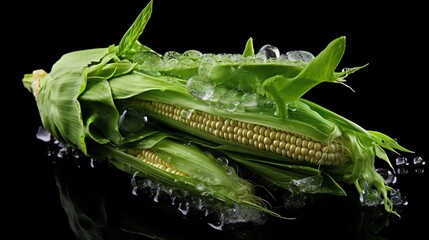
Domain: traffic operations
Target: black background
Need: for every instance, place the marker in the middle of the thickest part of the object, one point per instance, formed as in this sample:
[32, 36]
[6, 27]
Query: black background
[390, 93]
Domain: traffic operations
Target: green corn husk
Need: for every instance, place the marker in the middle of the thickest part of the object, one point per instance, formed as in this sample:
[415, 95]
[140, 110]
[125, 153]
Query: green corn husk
[81, 100]
[205, 175]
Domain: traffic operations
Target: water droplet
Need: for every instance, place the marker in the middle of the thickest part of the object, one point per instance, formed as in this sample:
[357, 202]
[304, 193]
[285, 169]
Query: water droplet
[208, 58]
[217, 94]
[268, 51]
[192, 54]
[250, 99]
[387, 175]
[230, 100]
[229, 170]
[146, 183]
[295, 200]
[370, 197]
[171, 55]
[235, 57]
[183, 208]
[62, 153]
[171, 63]
[187, 61]
[265, 102]
[200, 187]
[173, 200]
[134, 190]
[308, 184]
[223, 161]
[186, 113]
[283, 58]
[200, 87]
[397, 198]
[149, 71]
[75, 153]
[43, 134]
[401, 161]
[213, 180]
[300, 56]
[156, 195]
[206, 66]
[219, 224]
[200, 206]
[242, 214]
[138, 185]
[418, 161]
[147, 58]
[228, 58]
[292, 106]
[132, 121]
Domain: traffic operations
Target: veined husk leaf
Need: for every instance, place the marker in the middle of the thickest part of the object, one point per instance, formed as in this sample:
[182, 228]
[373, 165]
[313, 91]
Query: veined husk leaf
[284, 175]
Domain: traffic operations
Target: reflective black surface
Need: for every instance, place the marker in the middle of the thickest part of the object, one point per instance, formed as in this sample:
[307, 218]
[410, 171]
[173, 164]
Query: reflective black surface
[101, 202]
[389, 96]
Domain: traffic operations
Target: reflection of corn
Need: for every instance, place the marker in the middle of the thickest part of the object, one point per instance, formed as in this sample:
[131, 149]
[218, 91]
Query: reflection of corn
[151, 158]
[274, 140]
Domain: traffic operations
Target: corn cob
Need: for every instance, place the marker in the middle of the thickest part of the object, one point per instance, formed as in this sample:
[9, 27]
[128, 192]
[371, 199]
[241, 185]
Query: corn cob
[180, 165]
[149, 156]
[279, 135]
[277, 141]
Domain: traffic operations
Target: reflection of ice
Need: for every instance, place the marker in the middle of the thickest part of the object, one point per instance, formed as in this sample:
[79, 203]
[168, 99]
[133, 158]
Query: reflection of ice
[295, 201]
[397, 198]
[402, 171]
[140, 184]
[404, 168]
[388, 176]
[242, 214]
[217, 215]
[236, 215]
[196, 208]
